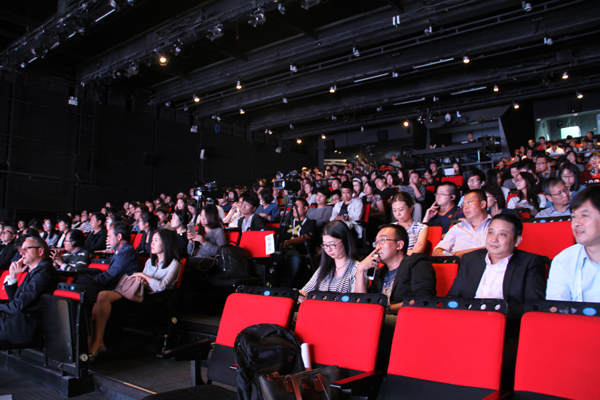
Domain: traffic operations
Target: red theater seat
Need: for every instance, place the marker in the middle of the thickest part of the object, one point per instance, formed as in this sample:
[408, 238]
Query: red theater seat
[547, 238]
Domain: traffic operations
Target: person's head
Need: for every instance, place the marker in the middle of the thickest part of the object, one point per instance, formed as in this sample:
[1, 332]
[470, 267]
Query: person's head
[164, 245]
[527, 165]
[589, 135]
[370, 188]
[336, 183]
[336, 196]
[531, 143]
[470, 135]
[322, 196]
[181, 204]
[554, 145]
[594, 160]
[514, 170]
[433, 167]
[457, 168]
[392, 180]
[148, 221]
[380, 182]
[445, 194]
[364, 179]
[357, 186]
[150, 205]
[64, 223]
[525, 182]
[346, 192]
[21, 225]
[36, 224]
[179, 219]
[34, 250]
[84, 216]
[338, 243]
[475, 179]
[162, 213]
[249, 203]
[572, 157]
[391, 243]
[569, 173]
[117, 235]
[494, 196]
[393, 157]
[428, 176]
[8, 234]
[97, 220]
[266, 196]
[494, 177]
[542, 164]
[542, 140]
[209, 217]
[557, 192]
[31, 232]
[300, 210]
[74, 240]
[402, 207]
[585, 216]
[48, 226]
[504, 234]
[475, 205]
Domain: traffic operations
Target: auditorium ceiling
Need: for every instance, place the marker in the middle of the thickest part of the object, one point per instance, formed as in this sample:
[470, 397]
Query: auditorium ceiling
[307, 67]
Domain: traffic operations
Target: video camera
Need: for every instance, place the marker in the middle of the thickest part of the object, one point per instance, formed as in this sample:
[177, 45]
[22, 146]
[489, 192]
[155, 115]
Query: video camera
[204, 192]
[289, 182]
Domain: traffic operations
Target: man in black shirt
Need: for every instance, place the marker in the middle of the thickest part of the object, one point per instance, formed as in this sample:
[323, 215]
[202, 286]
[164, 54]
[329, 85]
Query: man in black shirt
[96, 239]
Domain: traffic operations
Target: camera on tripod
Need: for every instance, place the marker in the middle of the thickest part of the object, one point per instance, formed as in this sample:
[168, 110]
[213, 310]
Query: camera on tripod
[204, 192]
[289, 182]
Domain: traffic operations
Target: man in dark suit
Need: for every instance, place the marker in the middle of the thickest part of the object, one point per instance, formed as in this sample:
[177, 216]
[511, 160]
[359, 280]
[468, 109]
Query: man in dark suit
[250, 221]
[20, 318]
[124, 262]
[96, 239]
[500, 271]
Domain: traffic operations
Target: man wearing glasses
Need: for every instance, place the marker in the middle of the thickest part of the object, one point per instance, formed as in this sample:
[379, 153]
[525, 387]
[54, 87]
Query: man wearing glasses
[556, 192]
[9, 250]
[20, 318]
[401, 275]
[76, 257]
[444, 209]
[475, 180]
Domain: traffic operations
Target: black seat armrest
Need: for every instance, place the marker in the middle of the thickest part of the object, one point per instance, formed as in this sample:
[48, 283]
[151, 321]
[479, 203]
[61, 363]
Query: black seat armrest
[361, 383]
[188, 352]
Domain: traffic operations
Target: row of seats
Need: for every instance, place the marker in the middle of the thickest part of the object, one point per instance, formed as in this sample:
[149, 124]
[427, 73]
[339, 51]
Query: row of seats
[441, 348]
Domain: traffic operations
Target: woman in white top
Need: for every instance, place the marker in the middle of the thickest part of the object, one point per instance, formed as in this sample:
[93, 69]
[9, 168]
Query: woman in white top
[357, 188]
[402, 208]
[527, 197]
[160, 273]
[311, 198]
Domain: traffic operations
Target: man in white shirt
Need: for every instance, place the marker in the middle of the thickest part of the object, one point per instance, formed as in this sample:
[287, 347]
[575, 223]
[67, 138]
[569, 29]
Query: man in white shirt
[469, 234]
[575, 272]
[349, 210]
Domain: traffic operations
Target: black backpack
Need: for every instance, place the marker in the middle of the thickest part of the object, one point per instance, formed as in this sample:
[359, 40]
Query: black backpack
[261, 350]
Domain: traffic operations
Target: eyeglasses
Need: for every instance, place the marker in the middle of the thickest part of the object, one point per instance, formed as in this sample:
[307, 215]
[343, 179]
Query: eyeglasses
[24, 249]
[383, 240]
[567, 176]
[564, 191]
[331, 246]
[7, 231]
[442, 194]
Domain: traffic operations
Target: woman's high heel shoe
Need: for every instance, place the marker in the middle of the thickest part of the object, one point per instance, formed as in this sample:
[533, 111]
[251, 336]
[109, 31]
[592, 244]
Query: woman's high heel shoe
[98, 353]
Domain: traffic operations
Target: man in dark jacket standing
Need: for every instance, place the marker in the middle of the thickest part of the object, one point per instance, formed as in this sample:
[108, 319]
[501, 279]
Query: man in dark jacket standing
[20, 318]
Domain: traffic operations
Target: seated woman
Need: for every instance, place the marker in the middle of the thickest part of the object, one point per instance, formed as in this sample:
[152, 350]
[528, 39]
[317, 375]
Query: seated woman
[377, 211]
[179, 222]
[308, 193]
[337, 270]
[210, 236]
[496, 203]
[160, 273]
[148, 225]
[233, 215]
[49, 234]
[402, 208]
[527, 197]
[357, 188]
[569, 173]
[593, 173]
[267, 209]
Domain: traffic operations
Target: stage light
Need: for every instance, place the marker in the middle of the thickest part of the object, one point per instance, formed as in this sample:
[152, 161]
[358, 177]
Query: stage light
[379, 109]
[428, 31]
[466, 60]
[406, 123]
[355, 52]
[333, 118]
[323, 136]
[293, 68]
[238, 85]
[299, 141]
[496, 88]
[281, 9]
[362, 128]
[258, 17]
[306, 4]
[579, 95]
[548, 41]
[196, 98]
[516, 105]
[216, 32]
[162, 58]
[526, 6]
[285, 100]
[565, 75]
[292, 126]
[332, 89]
[242, 111]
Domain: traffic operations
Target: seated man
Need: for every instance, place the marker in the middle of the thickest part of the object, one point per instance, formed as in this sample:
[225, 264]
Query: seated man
[20, 319]
[574, 272]
[470, 233]
[500, 271]
[124, 262]
[402, 275]
[558, 197]
[9, 249]
[444, 209]
[298, 242]
[96, 239]
[250, 221]
[349, 210]
[475, 180]
[76, 257]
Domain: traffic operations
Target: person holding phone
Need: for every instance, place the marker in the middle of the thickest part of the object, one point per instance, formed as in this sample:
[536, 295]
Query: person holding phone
[348, 210]
[210, 236]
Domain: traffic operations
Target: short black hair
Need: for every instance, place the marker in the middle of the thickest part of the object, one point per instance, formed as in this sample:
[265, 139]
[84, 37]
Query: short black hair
[591, 193]
[303, 201]
[324, 190]
[481, 196]
[99, 217]
[77, 237]
[513, 220]
[346, 185]
[400, 233]
[478, 173]
[336, 192]
[66, 219]
[453, 189]
[550, 183]
[121, 228]
[250, 198]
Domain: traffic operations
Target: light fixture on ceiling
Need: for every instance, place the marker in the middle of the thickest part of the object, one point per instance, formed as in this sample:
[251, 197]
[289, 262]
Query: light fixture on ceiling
[579, 95]
[306, 4]
[565, 75]
[406, 123]
[194, 129]
[526, 6]
[299, 141]
[379, 109]
[323, 136]
[516, 105]
[176, 48]
[196, 98]
[168, 104]
[333, 118]
[394, 74]
[548, 41]
[332, 89]
[292, 126]
[238, 85]
[281, 9]
[293, 68]
[216, 32]
[458, 115]
[242, 111]
[428, 31]
[355, 52]
[257, 17]
[162, 58]
[496, 88]
[284, 100]
[362, 128]
[435, 99]
[466, 60]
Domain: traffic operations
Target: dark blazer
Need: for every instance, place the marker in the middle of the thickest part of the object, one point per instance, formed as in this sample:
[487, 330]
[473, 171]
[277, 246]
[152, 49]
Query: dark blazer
[20, 318]
[415, 277]
[257, 223]
[524, 280]
[95, 241]
[144, 247]
[6, 255]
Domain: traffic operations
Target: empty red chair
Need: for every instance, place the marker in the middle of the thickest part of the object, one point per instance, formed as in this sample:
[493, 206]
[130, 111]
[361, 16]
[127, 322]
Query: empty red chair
[457, 180]
[258, 244]
[102, 265]
[137, 240]
[547, 238]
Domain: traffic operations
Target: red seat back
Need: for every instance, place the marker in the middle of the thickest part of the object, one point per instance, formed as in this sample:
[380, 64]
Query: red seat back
[137, 240]
[444, 277]
[457, 180]
[434, 236]
[430, 188]
[349, 339]
[68, 294]
[101, 266]
[510, 196]
[366, 212]
[255, 243]
[181, 271]
[458, 347]
[547, 238]
[232, 236]
[132, 238]
[556, 355]
[20, 279]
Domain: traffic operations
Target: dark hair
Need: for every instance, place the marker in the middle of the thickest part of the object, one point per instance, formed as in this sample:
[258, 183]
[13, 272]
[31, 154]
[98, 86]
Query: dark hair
[266, 195]
[338, 230]
[35, 224]
[212, 216]
[404, 197]
[453, 189]
[324, 190]
[41, 243]
[591, 193]
[400, 232]
[303, 201]
[336, 192]
[347, 185]
[235, 195]
[372, 185]
[66, 219]
[491, 176]
[497, 193]
[550, 183]
[359, 182]
[478, 173]
[77, 237]
[52, 227]
[163, 209]
[121, 228]
[511, 219]
[170, 249]
[31, 232]
[150, 219]
[183, 215]
[250, 198]
[527, 164]
[99, 217]
[395, 179]
[481, 196]
[575, 171]
[337, 179]
[12, 229]
[532, 197]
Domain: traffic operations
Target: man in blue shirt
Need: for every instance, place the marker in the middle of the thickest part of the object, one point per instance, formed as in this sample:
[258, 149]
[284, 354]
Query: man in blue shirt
[558, 197]
[575, 272]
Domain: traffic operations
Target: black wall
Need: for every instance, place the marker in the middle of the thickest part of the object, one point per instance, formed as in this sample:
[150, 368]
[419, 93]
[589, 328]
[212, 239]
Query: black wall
[55, 157]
